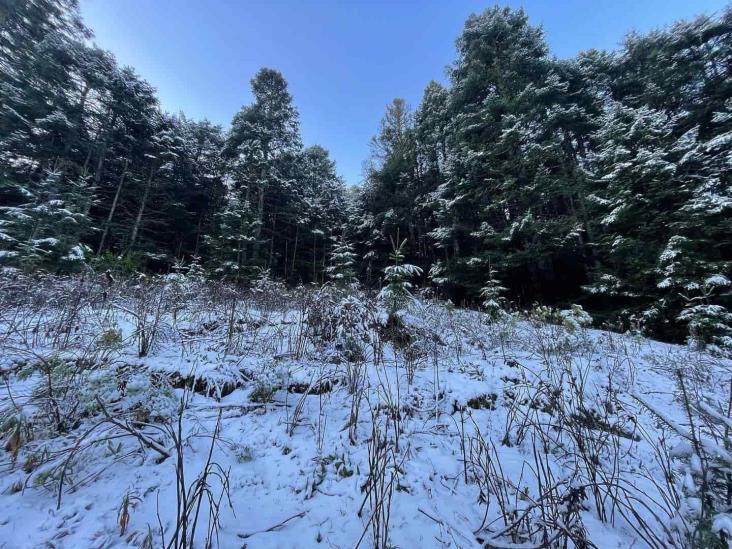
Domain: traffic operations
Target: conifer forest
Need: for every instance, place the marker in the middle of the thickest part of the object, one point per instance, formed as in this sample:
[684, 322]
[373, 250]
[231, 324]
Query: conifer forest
[514, 333]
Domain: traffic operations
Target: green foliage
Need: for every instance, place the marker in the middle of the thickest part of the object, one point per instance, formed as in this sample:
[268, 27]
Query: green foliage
[606, 174]
[110, 339]
[92, 170]
[575, 318]
[396, 293]
[244, 454]
[493, 301]
[603, 174]
[122, 266]
[710, 327]
[263, 393]
[342, 261]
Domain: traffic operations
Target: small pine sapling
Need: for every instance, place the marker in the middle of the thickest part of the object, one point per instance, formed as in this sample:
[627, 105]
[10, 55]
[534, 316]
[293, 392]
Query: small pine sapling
[493, 301]
[396, 293]
[342, 260]
[709, 324]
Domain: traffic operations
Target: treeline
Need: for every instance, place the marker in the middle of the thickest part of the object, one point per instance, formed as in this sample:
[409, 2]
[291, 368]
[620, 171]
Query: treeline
[605, 179]
[92, 171]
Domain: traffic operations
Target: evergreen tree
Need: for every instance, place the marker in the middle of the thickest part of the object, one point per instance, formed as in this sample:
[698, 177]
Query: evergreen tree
[263, 138]
[235, 230]
[397, 291]
[610, 172]
[342, 261]
[320, 211]
[45, 232]
[491, 292]
[513, 183]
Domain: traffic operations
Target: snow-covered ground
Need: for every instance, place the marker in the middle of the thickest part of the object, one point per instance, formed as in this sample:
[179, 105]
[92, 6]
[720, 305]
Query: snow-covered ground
[310, 419]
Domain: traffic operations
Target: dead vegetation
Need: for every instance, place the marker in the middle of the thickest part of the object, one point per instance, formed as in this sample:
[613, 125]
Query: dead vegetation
[548, 428]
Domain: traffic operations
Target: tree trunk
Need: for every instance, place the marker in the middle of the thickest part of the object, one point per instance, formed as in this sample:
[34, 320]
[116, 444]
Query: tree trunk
[198, 236]
[244, 249]
[294, 251]
[138, 219]
[108, 222]
[315, 262]
[260, 221]
[99, 169]
[325, 257]
[272, 242]
[260, 206]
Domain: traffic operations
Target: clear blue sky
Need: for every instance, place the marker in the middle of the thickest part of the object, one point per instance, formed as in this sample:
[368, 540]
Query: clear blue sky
[344, 60]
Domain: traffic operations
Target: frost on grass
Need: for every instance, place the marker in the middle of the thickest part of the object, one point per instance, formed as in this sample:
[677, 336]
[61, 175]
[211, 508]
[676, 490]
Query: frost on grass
[173, 412]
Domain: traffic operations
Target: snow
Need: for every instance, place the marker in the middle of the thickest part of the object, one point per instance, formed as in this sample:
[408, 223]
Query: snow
[295, 477]
[76, 253]
[717, 280]
[719, 141]
[723, 522]
[49, 241]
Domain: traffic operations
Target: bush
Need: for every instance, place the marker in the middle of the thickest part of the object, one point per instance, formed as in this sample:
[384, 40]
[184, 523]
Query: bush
[110, 339]
[263, 393]
[121, 266]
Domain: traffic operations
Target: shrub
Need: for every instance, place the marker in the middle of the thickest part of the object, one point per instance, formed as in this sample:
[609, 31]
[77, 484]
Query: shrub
[263, 393]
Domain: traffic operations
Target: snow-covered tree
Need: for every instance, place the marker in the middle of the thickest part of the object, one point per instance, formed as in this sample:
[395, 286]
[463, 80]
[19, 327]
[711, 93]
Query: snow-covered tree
[492, 294]
[46, 230]
[397, 291]
[235, 231]
[342, 260]
[709, 324]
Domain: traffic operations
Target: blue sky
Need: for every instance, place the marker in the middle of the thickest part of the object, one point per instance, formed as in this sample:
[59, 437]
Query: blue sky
[344, 60]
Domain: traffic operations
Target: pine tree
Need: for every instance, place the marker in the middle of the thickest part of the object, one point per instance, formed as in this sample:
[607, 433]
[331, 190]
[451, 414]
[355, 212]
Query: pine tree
[633, 171]
[342, 260]
[388, 197]
[709, 324]
[492, 294]
[397, 291]
[46, 231]
[320, 211]
[672, 88]
[235, 231]
[511, 189]
[263, 139]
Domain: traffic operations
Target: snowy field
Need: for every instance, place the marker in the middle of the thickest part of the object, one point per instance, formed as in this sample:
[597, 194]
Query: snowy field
[179, 413]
